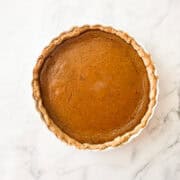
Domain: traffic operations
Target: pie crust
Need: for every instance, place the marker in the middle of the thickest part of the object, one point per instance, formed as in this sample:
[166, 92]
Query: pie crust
[152, 77]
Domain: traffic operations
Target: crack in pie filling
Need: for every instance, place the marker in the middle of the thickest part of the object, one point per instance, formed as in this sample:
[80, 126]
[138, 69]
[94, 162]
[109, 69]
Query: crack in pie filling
[94, 86]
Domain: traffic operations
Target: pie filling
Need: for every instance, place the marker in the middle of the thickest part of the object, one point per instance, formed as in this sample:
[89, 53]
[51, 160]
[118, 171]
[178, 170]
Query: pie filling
[94, 87]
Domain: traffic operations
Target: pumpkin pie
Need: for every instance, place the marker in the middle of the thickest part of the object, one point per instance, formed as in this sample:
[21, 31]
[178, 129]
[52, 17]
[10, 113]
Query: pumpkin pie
[95, 87]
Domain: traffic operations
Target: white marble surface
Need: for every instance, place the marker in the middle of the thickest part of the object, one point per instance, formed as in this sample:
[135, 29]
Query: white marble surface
[28, 151]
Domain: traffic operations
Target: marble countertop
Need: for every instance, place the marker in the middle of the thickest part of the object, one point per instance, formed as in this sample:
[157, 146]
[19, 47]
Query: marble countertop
[28, 151]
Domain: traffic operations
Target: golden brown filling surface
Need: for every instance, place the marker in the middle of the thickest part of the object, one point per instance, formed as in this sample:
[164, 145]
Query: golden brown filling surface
[94, 87]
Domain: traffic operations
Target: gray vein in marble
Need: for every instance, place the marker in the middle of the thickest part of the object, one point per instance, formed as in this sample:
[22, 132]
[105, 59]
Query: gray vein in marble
[85, 173]
[179, 103]
[138, 173]
[31, 151]
[146, 166]
[133, 154]
[174, 143]
[68, 171]
[166, 118]
[163, 121]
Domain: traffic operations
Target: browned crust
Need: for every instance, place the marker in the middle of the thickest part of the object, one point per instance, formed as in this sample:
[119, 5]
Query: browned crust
[49, 122]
